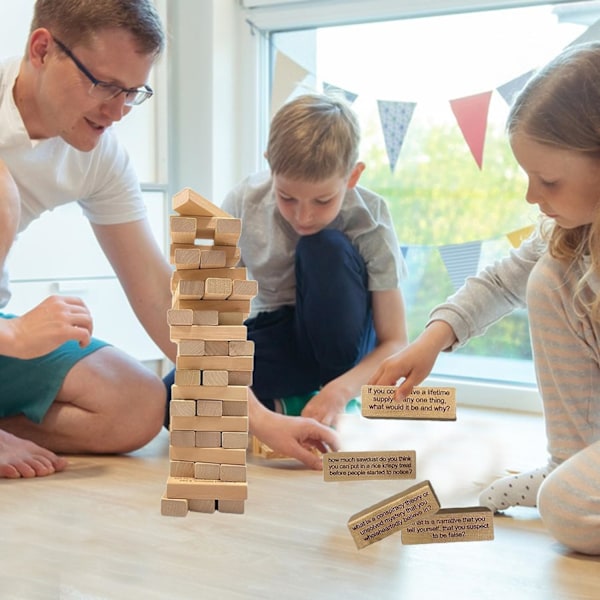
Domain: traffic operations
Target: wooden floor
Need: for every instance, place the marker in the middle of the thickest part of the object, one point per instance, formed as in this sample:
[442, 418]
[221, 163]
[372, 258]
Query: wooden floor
[95, 531]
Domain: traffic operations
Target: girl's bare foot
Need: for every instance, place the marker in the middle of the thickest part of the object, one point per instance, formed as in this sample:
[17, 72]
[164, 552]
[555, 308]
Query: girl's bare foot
[22, 458]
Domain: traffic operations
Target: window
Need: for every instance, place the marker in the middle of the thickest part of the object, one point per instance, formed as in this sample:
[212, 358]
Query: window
[454, 188]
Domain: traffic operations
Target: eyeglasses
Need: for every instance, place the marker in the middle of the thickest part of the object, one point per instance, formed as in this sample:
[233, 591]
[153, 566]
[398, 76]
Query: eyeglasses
[107, 91]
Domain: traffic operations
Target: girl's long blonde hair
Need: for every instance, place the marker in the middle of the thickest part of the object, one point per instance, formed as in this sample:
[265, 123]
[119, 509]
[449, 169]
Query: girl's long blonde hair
[560, 107]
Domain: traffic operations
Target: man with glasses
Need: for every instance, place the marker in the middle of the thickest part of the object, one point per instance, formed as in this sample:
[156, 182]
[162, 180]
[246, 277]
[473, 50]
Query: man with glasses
[86, 65]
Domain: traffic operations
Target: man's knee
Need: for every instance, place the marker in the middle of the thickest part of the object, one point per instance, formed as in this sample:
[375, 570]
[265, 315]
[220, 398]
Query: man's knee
[570, 513]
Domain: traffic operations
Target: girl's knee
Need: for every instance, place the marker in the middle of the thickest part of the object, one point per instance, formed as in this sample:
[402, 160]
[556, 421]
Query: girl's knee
[570, 513]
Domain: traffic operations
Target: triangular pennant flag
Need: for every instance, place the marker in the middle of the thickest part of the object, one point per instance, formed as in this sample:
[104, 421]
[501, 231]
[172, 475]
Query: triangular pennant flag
[516, 238]
[471, 113]
[395, 119]
[334, 91]
[287, 75]
[461, 260]
[511, 88]
[404, 250]
[591, 34]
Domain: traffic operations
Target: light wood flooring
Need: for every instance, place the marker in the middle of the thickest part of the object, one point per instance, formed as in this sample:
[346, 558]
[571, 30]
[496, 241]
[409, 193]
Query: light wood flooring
[95, 532]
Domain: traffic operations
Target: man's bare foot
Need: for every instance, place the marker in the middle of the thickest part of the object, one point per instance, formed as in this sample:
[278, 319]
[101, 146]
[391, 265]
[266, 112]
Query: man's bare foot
[22, 458]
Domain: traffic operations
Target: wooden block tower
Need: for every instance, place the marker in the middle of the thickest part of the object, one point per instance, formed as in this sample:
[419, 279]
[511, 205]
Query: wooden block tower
[209, 406]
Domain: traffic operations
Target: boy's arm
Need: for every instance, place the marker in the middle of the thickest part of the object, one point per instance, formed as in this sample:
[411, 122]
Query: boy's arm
[390, 326]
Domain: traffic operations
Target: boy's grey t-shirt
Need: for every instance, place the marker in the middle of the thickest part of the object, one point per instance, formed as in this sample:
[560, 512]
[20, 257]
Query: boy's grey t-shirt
[268, 242]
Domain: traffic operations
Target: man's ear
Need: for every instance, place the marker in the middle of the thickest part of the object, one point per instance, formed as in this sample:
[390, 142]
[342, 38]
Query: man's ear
[38, 46]
[355, 175]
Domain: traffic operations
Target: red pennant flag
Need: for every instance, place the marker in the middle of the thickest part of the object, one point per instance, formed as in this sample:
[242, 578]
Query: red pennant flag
[471, 114]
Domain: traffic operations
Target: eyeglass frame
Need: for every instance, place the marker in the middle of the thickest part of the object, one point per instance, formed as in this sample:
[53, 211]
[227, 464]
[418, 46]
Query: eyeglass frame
[140, 94]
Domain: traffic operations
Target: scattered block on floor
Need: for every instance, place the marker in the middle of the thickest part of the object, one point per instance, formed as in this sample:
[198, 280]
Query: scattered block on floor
[474, 524]
[382, 464]
[426, 403]
[393, 514]
[261, 449]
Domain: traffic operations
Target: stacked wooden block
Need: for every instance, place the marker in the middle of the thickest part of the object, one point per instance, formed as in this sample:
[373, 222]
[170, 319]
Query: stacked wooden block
[209, 406]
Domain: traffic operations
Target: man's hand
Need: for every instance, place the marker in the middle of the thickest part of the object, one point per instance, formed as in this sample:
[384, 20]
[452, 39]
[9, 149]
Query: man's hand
[44, 328]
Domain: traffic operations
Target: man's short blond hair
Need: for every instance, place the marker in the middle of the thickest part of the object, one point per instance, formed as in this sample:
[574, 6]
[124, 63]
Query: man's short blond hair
[313, 137]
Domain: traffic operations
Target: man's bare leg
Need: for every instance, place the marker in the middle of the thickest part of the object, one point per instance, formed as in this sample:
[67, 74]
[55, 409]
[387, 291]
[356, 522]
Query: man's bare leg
[22, 458]
[108, 404]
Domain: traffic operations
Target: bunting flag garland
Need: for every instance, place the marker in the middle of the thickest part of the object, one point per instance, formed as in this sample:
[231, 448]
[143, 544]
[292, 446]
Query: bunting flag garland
[333, 90]
[288, 74]
[395, 118]
[516, 238]
[461, 261]
[591, 34]
[510, 89]
[471, 114]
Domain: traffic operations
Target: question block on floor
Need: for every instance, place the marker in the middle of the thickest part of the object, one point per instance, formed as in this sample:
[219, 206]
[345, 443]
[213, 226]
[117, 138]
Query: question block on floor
[393, 514]
[425, 403]
[452, 525]
[381, 464]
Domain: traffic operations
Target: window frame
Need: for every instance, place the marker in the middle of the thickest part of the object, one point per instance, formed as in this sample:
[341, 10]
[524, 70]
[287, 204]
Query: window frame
[271, 16]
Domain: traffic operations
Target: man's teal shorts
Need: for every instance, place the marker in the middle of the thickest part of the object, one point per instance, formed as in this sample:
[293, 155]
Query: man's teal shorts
[30, 386]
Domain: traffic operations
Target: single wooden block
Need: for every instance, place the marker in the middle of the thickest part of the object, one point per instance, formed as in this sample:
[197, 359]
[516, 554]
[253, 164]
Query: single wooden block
[188, 377]
[244, 289]
[173, 507]
[475, 524]
[228, 231]
[231, 456]
[234, 439]
[191, 348]
[429, 403]
[188, 289]
[209, 392]
[235, 408]
[212, 259]
[210, 423]
[183, 229]
[187, 202]
[227, 305]
[393, 514]
[207, 471]
[231, 506]
[205, 317]
[203, 506]
[182, 408]
[214, 377]
[261, 449]
[186, 258]
[207, 439]
[216, 347]
[180, 317]
[232, 318]
[184, 439]
[381, 464]
[241, 348]
[187, 487]
[227, 363]
[208, 408]
[233, 473]
[217, 288]
[181, 468]
[207, 332]
[240, 377]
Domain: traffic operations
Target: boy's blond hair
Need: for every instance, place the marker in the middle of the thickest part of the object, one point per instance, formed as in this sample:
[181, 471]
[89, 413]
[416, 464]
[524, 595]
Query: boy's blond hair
[313, 137]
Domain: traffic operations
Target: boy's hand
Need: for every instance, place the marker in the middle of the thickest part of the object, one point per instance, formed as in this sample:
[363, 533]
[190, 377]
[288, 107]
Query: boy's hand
[326, 406]
[299, 437]
[44, 328]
